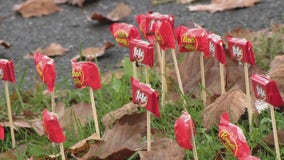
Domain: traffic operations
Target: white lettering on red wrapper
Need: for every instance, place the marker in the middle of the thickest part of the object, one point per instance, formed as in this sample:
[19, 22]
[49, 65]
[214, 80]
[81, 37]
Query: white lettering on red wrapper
[138, 54]
[141, 98]
[237, 52]
[260, 92]
[212, 48]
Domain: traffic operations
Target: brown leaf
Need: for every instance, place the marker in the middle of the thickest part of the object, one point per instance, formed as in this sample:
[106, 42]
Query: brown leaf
[122, 140]
[28, 113]
[185, 1]
[36, 8]
[165, 149]
[12, 154]
[221, 5]
[72, 2]
[52, 50]
[234, 102]
[112, 116]
[92, 53]
[106, 77]
[5, 44]
[276, 71]
[120, 11]
[269, 139]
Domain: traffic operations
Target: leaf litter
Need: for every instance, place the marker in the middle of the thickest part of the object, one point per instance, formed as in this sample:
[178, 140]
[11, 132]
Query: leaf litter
[52, 50]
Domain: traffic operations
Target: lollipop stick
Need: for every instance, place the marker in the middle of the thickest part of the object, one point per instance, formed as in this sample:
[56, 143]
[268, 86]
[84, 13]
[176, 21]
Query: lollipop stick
[163, 78]
[193, 143]
[147, 74]
[202, 72]
[276, 142]
[178, 76]
[148, 131]
[158, 49]
[134, 69]
[62, 151]
[222, 77]
[10, 114]
[248, 94]
[94, 111]
[53, 101]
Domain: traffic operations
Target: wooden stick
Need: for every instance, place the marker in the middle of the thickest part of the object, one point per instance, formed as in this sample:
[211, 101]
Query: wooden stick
[276, 142]
[222, 77]
[147, 74]
[148, 131]
[248, 94]
[134, 69]
[163, 78]
[62, 151]
[94, 111]
[202, 73]
[158, 50]
[193, 143]
[53, 101]
[178, 77]
[10, 114]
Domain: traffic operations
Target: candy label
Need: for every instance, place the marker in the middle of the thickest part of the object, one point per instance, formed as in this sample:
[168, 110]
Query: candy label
[189, 42]
[260, 92]
[1, 73]
[138, 54]
[237, 53]
[141, 97]
[121, 37]
[78, 77]
[228, 141]
[212, 48]
[39, 70]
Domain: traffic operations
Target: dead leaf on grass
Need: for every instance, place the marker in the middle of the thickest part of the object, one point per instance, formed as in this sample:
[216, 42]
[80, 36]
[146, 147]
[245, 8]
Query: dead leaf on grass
[276, 72]
[12, 154]
[36, 8]
[165, 149]
[5, 44]
[269, 139]
[92, 53]
[120, 11]
[221, 5]
[106, 77]
[52, 50]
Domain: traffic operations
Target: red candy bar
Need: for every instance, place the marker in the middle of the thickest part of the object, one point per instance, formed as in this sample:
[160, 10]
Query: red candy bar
[216, 47]
[52, 127]
[143, 94]
[183, 130]
[123, 33]
[267, 90]
[192, 39]
[2, 133]
[241, 50]
[85, 73]
[141, 51]
[233, 138]
[164, 35]
[7, 71]
[45, 68]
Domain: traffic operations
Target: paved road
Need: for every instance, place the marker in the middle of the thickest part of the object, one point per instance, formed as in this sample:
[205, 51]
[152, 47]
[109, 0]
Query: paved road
[71, 29]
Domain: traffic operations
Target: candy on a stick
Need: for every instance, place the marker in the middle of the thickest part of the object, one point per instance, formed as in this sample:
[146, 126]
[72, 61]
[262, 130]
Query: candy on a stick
[233, 139]
[267, 90]
[2, 133]
[185, 132]
[216, 49]
[7, 74]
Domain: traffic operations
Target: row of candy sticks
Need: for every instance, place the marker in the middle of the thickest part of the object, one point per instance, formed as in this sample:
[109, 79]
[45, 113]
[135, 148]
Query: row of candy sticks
[158, 29]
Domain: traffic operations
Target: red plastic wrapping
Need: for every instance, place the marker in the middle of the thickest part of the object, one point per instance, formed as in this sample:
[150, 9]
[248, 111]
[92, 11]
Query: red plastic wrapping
[183, 130]
[192, 39]
[233, 138]
[45, 68]
[146, 23]
[143, 94]
[267, 90]
[2, 133]
[241, 50]
[7, 70]
[164, 35]
[85, 73]
[216, 47]
[141, 51]
[123, 33]
[52, 127]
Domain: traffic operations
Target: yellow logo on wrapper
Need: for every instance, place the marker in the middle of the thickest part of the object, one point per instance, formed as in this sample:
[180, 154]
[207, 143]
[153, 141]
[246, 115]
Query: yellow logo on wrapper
[39, 70]
[78, 77]
[189, 42]
[159, 38]
[225, 136]
[121, 37]
[1, 73]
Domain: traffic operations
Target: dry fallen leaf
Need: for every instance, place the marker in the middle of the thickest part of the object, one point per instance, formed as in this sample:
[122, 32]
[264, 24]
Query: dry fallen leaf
[233, 102]
[72, 2]
[269, 139]
[221, 5]
[52, 50]
[276, 72]
[92, 53]
[5, 44]
[112, 116]
[165, 149]
[185, 1]
[122, 140]
[12, 154]
[106, 77]
[36, 8]
[120, 11]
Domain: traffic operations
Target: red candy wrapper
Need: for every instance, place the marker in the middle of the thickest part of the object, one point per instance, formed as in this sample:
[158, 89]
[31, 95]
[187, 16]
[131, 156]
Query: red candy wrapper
[85, 73]
[123, 33]
[267, 90]
[164, 35]
[241, 50]
[233, 138]
[143, 94]
[216, 47]
[192, 39]
[2, 133]
[52, 127]
[7, 71]
[183, 130]
[147, 21]
[45, 68]
[142, 51]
